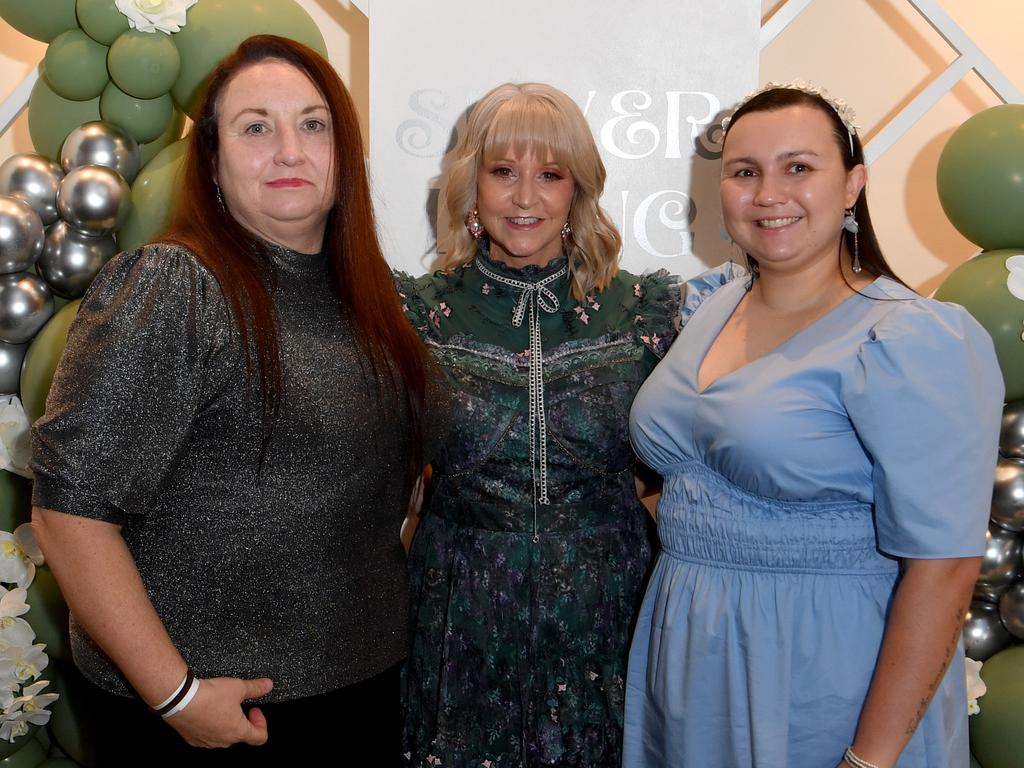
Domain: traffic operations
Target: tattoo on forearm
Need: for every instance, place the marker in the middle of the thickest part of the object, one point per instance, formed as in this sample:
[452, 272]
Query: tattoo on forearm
[933, 686]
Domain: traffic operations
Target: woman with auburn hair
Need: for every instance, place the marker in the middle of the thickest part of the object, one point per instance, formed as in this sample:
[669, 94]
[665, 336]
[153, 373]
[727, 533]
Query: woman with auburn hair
[827, 439]
[531, 553]
[219, 470]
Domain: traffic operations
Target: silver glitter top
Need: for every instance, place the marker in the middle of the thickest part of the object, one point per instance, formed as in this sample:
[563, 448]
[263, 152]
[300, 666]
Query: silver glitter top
[294, 573]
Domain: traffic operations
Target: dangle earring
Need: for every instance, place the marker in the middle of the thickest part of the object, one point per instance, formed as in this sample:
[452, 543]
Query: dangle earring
[566, 232]
[476, 229]
[851, 226]
[220, 199]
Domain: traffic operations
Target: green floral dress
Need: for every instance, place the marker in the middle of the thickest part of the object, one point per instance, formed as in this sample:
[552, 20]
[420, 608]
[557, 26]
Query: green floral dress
[522, 611]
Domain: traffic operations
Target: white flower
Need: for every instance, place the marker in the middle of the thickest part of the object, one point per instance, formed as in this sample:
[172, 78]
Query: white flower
[11, 729]
[975, 685]
[19, 556]
[14, 631]
[31, 706]
[24, 662]
[166, 16]
[15, 446]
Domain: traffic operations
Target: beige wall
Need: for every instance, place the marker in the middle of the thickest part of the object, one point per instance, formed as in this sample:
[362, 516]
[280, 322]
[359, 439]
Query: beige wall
[877, 54]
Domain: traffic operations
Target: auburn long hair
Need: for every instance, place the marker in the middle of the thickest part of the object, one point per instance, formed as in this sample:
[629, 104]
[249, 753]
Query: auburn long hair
[238, 260]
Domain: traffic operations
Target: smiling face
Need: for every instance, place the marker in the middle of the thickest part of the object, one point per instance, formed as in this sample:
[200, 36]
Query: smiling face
[784, 187]
[275, 155]
[523, 202]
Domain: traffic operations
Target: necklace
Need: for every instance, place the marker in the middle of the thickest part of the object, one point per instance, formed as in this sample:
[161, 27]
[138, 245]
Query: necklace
[535, 298]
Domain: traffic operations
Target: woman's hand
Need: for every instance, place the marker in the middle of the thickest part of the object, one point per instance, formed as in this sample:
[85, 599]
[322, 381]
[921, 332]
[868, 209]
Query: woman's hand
[214, 718]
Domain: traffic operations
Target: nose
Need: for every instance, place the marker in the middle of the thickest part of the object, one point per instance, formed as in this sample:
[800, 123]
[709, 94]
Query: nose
[525, 193]
[289, 150]
[770, 191]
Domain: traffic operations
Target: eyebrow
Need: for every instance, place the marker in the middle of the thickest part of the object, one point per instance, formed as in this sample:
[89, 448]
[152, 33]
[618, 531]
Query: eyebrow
[784, 156]
[264, 113]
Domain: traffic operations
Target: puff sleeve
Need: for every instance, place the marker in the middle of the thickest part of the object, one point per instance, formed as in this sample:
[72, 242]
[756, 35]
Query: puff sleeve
[925, 400]
[138, 359]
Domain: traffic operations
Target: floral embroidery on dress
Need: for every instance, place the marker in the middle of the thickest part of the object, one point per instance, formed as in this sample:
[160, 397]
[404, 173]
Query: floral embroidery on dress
[581, 315]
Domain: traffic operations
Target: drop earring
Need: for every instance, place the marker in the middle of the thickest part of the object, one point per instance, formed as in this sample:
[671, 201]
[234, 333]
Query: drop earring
[850, 225]
[473, 225]
[566, 232]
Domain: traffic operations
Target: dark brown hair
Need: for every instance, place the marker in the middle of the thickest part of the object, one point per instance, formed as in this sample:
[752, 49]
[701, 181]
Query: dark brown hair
[870, 251]
[238, 260]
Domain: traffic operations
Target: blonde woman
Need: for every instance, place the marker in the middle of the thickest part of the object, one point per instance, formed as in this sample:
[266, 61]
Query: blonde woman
[529, 560]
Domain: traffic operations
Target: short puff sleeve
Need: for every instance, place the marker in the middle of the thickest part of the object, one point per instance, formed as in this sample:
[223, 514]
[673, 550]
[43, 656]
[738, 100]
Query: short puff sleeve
[697, 289]
[134, 374]
[925, 400]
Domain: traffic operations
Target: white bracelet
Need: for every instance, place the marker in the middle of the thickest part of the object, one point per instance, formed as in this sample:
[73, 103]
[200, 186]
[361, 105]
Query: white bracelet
[856, 762]
[174, 693]
[187, 699]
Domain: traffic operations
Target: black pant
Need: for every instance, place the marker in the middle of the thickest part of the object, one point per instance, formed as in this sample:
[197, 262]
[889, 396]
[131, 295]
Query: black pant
[333, 727]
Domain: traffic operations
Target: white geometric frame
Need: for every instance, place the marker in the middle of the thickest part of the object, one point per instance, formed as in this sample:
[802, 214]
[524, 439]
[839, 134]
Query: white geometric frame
[970, 57]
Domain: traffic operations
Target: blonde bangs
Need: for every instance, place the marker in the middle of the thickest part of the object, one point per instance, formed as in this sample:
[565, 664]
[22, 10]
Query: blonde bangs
[530, 125]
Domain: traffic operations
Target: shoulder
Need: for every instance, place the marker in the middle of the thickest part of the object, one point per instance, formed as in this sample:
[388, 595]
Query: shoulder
[422, 297]
[651, 304]
[163, 266]
[904, 315]
[696, 290]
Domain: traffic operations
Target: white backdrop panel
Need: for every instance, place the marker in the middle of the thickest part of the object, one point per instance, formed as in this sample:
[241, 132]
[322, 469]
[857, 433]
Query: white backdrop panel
[652, 76]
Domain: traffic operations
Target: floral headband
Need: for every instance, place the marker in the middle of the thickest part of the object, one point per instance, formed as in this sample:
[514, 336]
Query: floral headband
[839, 106]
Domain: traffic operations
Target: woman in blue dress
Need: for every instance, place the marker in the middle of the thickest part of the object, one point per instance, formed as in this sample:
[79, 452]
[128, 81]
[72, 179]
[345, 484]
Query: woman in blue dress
[827, 439]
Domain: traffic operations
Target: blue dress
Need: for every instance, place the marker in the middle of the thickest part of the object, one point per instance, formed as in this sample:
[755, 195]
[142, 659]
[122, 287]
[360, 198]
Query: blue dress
[793, 486]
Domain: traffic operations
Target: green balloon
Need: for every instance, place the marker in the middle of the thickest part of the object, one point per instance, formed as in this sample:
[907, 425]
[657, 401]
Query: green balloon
[15, 501]
[142, 119]
[152, 201]
[979, 285]
[41, 360]
[216, 27]
[51, 118]
[170, 135]
[143, 64]
[48, 614]
[29, 755]
[996, 736]
[101, 20]
[39, 19]
[76, 66]
[981, 177]
[59, 762]
[76, 714]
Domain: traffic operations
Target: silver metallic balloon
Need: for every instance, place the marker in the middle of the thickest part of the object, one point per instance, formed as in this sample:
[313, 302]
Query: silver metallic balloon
[1011, 609]
[71, 259]
[1008, 495]
[94, 199]
[21, 235]
[984, 633]
[100, 143]
[26, 303]
[11, 356]
[1011, 435]
[1001, 564]
[34, 179]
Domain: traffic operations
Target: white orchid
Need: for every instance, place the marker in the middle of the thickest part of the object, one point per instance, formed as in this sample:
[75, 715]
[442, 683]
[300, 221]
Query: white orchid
[15, 446]
[19, 556]
[14, 631]
[165, 16]
[976, 687]
[23, 662]
[32, 705]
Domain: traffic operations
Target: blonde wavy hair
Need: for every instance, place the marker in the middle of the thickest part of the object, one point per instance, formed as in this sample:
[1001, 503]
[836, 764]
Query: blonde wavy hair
[525, 117]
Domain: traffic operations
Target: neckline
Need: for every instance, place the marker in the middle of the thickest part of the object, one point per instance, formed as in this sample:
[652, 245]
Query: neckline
[531, 273]
[869, 291]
